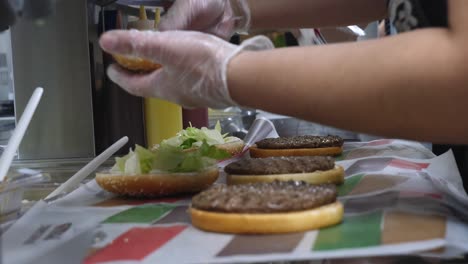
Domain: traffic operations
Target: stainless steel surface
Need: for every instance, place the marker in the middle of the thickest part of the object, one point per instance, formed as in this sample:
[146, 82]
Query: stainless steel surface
[55, 56]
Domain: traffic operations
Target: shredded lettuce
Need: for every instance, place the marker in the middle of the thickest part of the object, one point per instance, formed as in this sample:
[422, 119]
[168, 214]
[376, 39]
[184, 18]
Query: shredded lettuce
[173, 159]
[132, 164]
[135, 162]
[193, 163]
[120, 162]
[212, 152]
[188, 143]
[145, 157]
[167, 157]
[194, 137]
[192, 149]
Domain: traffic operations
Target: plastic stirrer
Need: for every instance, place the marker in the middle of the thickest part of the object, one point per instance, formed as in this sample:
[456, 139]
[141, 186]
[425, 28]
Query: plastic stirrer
[18, 133]
[88, 169]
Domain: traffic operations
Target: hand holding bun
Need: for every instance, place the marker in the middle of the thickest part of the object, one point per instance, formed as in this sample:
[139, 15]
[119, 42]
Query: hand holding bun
[136, 64]
[218, 17]
[194, 72]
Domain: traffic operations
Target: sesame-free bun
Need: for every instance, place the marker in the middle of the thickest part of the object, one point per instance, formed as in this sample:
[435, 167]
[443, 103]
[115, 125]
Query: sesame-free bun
[256, 152]
[335, 176]
[267, 223]
[157, 184]
[136, 64]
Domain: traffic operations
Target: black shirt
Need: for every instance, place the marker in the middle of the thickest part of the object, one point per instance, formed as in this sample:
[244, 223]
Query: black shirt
[408, 15]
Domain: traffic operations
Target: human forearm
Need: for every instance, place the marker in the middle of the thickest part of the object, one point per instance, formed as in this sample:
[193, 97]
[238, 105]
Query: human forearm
[268, 14]
[384, 87]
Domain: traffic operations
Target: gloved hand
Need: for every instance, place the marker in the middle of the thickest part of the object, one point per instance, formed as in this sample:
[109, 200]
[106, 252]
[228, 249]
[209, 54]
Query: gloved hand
[194, 65]
[218, 17]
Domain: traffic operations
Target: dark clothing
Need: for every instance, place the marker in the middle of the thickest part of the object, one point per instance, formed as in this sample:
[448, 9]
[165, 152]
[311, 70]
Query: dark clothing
[408, 15]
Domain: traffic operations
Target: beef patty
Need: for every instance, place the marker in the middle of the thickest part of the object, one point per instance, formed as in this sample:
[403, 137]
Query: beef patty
[280, 165]
[273, 197]
[300, 142]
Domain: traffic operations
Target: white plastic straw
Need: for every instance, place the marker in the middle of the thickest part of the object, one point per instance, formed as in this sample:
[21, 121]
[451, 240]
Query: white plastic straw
[89, 168]
[18, 133]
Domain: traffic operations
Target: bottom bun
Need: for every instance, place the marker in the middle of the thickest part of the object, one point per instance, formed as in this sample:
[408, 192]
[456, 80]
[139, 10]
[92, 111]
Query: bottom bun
[335, 175]
[161, 184]
[265, 153]
[268, 223]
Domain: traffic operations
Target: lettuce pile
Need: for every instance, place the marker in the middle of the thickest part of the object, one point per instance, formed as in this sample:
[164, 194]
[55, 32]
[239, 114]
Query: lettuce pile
[194, 137]
[190, 150]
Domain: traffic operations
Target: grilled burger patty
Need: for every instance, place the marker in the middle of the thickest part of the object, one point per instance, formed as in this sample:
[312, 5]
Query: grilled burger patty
[300, 142]
[271, 197]
[280, 165]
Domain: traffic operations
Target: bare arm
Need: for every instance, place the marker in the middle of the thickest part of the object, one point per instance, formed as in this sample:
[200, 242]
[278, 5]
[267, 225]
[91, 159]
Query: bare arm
[414, 85]
[268, 14]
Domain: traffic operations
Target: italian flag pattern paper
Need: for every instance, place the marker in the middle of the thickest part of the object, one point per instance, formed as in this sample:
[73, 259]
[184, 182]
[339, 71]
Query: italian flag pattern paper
[393, 204]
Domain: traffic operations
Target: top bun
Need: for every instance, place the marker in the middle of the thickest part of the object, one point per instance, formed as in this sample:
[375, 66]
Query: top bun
[136, 64]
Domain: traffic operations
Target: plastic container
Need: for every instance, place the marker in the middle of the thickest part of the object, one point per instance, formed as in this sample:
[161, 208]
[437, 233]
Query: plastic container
[12, 191]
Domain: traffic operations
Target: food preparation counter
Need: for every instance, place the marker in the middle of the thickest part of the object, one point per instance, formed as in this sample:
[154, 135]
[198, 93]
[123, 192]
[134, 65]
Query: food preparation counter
[402, 205]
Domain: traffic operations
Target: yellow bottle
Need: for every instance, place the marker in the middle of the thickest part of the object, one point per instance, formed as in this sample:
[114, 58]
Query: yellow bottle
[163, 119]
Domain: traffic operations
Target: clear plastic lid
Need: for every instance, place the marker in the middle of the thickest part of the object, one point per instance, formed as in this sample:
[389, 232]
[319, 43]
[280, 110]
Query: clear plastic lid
[22, 178]
[12, 189]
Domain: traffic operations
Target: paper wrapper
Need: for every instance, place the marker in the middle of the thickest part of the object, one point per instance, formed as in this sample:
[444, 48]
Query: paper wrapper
[398, 197]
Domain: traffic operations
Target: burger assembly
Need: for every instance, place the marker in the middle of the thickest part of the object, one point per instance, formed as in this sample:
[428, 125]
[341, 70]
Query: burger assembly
[186, 163]
[290, 187]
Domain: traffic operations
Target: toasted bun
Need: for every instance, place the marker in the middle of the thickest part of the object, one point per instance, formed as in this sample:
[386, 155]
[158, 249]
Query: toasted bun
[233, 147]
[136, 64]
[335, 175]
[161, 184]
[264, 153]
[268, 223]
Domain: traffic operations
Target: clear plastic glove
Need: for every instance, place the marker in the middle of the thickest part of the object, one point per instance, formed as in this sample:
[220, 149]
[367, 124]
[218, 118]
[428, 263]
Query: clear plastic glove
[218, 17]
[194, 65]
